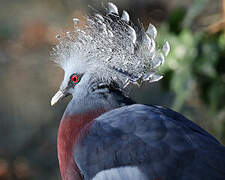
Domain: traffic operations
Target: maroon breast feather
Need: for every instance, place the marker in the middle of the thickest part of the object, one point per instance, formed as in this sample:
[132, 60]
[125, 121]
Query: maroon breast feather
[71, 130]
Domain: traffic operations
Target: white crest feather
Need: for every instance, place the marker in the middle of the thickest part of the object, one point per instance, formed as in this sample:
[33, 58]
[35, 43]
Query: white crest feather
[99, 16]
[132, 34]
[111, 50]
[166, 48]
[157, 60]
[148, 76]
[152, 31]
[58, 36]
[125, 16]
[75, 21]
[155, 77]
[147, 41]
[112, 8]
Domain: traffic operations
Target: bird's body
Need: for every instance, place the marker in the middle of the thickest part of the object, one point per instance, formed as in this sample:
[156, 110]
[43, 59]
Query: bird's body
[104, 135]
[149, 141]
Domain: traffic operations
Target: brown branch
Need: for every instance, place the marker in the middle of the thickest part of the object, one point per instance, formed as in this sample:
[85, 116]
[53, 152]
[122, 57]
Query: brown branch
[223, 8]
[218, 26]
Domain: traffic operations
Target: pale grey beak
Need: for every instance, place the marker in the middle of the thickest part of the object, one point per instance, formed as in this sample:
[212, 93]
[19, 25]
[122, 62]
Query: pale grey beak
[59, 95]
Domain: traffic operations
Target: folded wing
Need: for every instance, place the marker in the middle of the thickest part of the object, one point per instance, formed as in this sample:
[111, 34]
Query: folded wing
[151, 142]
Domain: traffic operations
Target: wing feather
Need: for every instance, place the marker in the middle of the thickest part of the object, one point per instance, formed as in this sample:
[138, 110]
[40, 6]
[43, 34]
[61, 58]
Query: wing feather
[161, 143]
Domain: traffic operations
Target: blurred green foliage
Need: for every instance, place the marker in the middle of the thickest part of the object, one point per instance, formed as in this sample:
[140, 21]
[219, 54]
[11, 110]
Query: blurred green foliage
[195, 59]
[195, 68]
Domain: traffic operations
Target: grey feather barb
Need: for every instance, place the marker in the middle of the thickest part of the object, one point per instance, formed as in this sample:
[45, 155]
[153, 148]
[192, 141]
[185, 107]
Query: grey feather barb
[109, 46]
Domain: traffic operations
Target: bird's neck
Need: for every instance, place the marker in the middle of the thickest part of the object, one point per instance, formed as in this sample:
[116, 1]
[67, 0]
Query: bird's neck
[71, 130]
[78, 118]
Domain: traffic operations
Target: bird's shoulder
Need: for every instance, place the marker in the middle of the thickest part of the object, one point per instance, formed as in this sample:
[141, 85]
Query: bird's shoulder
[139, 118]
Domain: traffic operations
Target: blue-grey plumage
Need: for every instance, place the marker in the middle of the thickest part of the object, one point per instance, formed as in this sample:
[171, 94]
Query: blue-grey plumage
[159, 142]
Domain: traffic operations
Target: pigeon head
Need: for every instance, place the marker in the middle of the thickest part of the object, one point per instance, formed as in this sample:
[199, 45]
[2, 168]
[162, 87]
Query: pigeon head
[67, 86]
[108, 48]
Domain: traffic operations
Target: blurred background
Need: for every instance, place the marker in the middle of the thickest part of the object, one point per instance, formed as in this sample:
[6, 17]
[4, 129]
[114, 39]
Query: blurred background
[193, 83]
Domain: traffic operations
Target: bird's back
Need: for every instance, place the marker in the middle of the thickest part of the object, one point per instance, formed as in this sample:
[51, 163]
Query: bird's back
[148, 142]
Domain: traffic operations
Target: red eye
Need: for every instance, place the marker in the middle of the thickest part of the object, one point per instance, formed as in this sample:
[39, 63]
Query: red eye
[74, 78]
